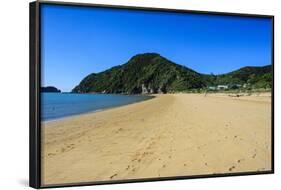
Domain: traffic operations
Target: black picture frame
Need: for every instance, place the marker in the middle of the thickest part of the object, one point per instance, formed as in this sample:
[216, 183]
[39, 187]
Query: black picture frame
[34, 97]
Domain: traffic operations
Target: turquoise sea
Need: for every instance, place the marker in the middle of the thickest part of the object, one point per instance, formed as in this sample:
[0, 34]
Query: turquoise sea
[59, 105]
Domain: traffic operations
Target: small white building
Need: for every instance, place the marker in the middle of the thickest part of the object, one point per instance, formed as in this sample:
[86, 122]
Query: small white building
[222, 87]
[212, 88]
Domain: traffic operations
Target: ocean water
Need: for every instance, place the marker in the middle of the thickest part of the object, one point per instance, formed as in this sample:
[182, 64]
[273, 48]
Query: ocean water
[59, 105]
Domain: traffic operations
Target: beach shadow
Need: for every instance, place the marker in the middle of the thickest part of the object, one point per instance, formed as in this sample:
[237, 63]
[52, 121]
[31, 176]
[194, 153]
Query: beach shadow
[23, 182]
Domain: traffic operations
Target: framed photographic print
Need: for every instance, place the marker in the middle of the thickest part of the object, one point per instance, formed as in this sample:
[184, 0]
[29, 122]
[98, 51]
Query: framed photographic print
[130, 94]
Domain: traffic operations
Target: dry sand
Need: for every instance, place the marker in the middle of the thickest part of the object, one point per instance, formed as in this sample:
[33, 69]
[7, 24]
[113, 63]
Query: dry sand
[170, 135]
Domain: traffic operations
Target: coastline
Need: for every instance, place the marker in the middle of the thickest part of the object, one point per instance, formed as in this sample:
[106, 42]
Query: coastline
[169, 135]
[97, 110]
[74, 115]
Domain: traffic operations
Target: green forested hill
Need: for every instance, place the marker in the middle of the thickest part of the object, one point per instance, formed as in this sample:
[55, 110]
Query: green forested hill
[144, 72]
[256, 77]
[152, 73]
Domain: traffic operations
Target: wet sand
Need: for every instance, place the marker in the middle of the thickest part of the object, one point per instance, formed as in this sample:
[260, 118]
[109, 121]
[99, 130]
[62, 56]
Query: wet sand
[170, 135]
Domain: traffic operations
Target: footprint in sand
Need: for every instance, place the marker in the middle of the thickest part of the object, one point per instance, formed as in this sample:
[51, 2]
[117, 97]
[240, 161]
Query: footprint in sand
[70, 147]
[128, 167]
[114, 175]
[51, 154]
[240, 160]
[231, 168]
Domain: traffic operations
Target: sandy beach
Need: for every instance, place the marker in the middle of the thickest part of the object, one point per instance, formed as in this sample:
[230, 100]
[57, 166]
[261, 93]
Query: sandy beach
[169, 135]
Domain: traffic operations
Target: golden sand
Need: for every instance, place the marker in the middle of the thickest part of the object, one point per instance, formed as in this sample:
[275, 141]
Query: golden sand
[169, 135]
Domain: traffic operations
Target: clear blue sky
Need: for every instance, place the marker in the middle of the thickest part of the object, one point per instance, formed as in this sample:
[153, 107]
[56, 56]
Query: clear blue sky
[77, 41]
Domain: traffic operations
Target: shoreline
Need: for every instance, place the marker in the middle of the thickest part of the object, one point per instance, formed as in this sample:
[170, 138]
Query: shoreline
[212, 94]
[74, 115]
[98, 110]
[169, 135]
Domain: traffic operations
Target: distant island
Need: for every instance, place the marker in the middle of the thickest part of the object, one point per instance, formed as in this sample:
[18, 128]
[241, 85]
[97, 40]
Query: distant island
[151, 73]
[50, 89]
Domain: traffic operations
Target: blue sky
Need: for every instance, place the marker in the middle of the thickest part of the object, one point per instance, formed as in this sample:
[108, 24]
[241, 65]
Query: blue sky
[77, 41]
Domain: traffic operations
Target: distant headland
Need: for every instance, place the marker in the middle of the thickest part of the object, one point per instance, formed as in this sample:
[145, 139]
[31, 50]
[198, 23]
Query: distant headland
[50, 89]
